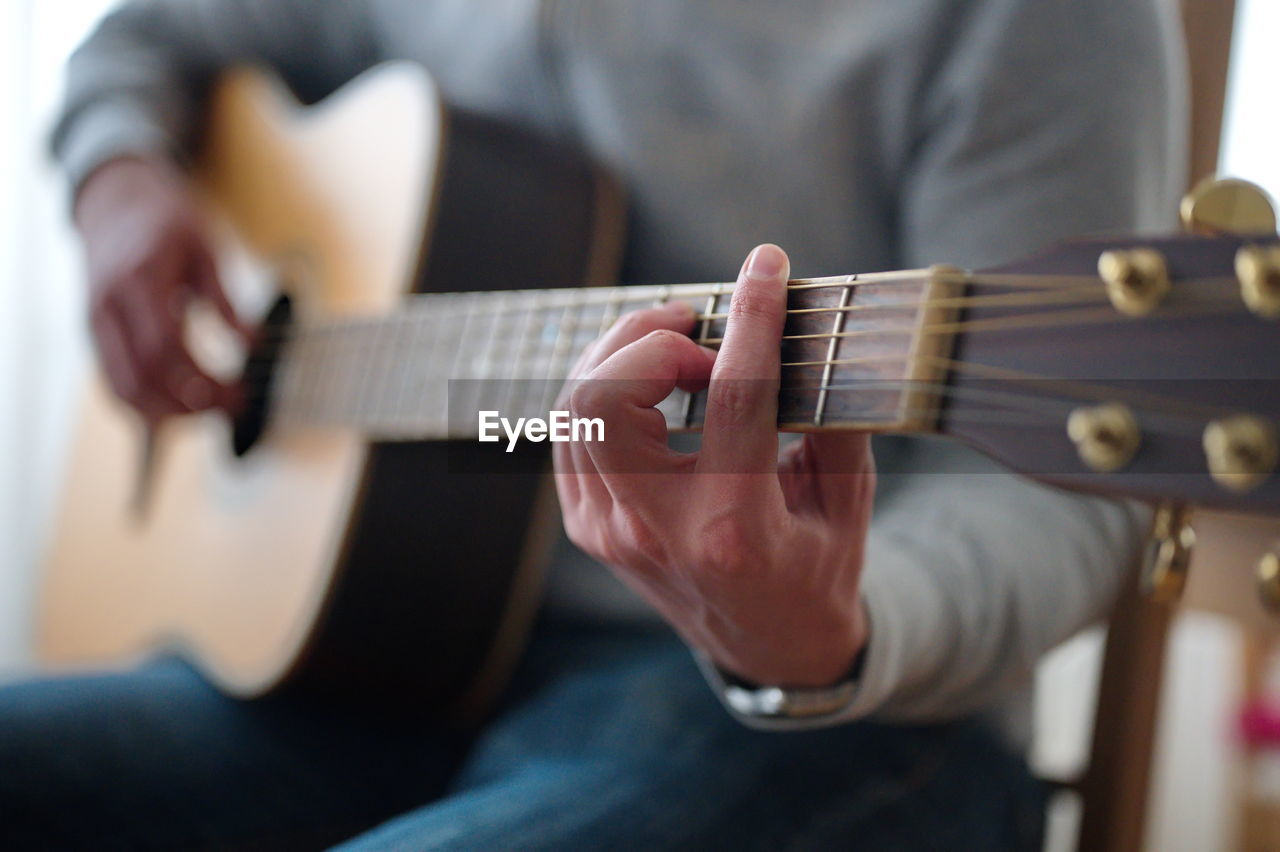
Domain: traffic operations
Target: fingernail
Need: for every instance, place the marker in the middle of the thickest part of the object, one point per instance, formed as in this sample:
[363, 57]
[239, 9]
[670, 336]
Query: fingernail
[766, 262]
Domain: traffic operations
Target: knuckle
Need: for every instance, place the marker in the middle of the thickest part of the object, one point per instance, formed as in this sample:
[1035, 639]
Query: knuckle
[588, 398]
[573, 525]
[730, 545]
[639, 323]
[666, 339]
[584, 530]
[636, 537]
[634, 322]
[665, 344]
[752, 305]
[735, 400]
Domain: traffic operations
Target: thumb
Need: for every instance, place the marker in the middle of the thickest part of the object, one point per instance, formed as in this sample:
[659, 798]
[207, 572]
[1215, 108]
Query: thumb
[204, 274]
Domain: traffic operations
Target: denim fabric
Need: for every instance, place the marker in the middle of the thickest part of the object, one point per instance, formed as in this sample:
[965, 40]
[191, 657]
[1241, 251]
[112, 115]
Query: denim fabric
[607, 738]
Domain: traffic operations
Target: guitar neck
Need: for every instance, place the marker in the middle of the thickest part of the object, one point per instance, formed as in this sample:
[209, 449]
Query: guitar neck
[425, 371]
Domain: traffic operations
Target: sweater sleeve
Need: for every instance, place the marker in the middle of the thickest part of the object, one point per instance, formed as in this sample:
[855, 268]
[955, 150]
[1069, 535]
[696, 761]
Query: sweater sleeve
[1043, 120]
[1034, 121]
[138, 83]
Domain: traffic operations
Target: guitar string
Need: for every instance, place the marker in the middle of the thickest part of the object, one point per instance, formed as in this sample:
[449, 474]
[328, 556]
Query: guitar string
[380, 325]
[1024, 320]
[1082, 390]
[1055, 294]
[1064, 318]
[1049, 411]
[1144, 400]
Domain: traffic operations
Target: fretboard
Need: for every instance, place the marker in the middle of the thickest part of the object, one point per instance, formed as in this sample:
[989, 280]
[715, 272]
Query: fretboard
[857, 352]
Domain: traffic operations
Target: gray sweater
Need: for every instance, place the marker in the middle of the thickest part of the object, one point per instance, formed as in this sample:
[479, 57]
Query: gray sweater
[858, 134]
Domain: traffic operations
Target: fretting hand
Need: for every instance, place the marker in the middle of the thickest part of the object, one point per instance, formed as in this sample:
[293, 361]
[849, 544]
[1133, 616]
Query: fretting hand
[753, 559]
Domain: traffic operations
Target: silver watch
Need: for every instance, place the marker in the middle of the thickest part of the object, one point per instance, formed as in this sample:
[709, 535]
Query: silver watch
[759, 702]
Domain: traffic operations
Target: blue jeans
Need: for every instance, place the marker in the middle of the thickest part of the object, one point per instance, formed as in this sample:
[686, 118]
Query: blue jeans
[607, 738]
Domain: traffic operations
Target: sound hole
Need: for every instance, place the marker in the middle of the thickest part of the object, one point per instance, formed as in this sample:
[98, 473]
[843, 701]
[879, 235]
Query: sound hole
[258, 378]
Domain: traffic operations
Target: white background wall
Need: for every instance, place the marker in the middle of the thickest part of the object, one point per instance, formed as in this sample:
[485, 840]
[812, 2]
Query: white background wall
[41, 326]
[42, 348]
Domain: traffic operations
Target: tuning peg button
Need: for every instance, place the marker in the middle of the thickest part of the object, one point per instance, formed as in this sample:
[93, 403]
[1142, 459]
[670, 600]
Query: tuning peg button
[1267, 574]
[1106, 436]
[1228, 206]
[1137, 279]
[1258, 268]
[1241, 451]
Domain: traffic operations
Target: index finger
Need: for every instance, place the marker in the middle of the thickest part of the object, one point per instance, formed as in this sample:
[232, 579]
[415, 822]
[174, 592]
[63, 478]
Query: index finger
[740, 432]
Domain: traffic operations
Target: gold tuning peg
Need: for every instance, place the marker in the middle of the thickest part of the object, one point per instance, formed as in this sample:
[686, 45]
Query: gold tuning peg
[1268, 577]
[1168, 554]
[1230, 206]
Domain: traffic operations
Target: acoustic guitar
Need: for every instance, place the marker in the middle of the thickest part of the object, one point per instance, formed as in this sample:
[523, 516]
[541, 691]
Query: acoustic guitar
[349, 534]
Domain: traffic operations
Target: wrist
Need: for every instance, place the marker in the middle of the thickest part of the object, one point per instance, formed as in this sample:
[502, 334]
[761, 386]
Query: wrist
[116, 183]
[820, 658]
[771, 707]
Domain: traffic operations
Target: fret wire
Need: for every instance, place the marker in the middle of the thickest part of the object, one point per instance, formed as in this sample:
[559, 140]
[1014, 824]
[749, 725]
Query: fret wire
[372, 349]
[335, 351]
[487, 351]
[423, 343]
[421, 339]
[373, 379]
[612, 310]
[512, 401]
[499, 344]
[378, 350]
[541, 364]
[461, 343]
[289, 387]
[327, 377]
[713, 302]
[558, 353]
[343, 386]
[317, 358]
[398, 373]
[831, 354]
[321, 376]
[435, 359]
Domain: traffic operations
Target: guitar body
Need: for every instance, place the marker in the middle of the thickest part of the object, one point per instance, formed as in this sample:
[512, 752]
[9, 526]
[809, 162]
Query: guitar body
[318, 560]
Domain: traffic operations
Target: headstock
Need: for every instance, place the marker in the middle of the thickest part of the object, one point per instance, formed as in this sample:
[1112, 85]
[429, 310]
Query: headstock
[1147, 368]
